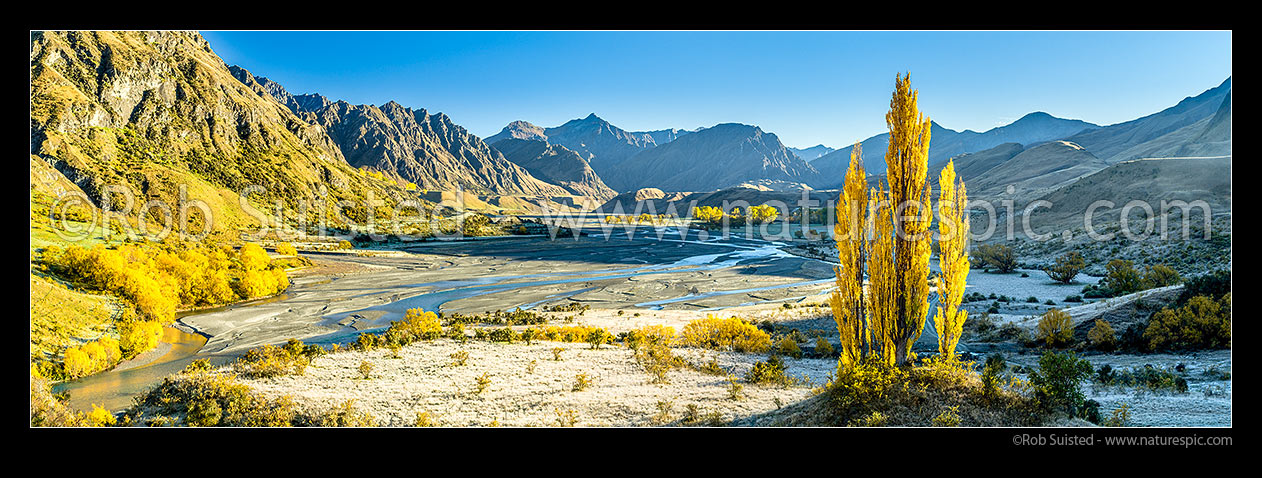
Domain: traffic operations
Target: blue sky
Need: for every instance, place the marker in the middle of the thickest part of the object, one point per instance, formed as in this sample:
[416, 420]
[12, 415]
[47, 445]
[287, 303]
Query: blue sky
[806, 87]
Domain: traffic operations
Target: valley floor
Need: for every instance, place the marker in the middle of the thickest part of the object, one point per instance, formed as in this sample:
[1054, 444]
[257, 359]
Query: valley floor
[628, 283]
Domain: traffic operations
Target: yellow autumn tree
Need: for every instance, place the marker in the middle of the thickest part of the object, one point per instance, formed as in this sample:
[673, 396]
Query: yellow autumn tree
[895, 243]
[882, 281]
[953, 231]
[907, 163]
[851, 234]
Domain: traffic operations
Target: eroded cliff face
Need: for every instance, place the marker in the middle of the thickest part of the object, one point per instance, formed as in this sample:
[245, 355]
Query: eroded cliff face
[157, 110]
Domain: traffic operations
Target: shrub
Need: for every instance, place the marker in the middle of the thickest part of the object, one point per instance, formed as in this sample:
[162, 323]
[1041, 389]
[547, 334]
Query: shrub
[1213, 284]
[948, 418]
[1055, 328]
[874, 419]
[650, 334]
[598, 337]
[731, 333]
[581, 382]
[271, 361]
[1160, 275]
[735, 391]
[101, 417]
[997, 256]
[503, 334]
[459, 358]
[137, 336]
[657, 359]
[1066, 267]
[425, 420]
[365, 369]
[1057, 380]
[823, 348]
[1121, 278]
[204, 413]
[1150, 378]
[1073, 298]
[417, 324]
[1119, 417]
[993, 374]
[345, 415]
[481, 383]
[556, 353]
[787, 346]
[286, 249]
[770, 371]
[1202, 323]
[1101, 336]
[568, 418]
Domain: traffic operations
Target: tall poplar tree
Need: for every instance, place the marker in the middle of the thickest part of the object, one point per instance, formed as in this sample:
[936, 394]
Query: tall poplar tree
[953, 231]
[851, 233]
[884, 320]
[907, 160]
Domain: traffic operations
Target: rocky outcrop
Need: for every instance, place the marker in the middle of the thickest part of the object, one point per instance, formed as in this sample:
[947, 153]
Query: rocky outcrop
[428, 150]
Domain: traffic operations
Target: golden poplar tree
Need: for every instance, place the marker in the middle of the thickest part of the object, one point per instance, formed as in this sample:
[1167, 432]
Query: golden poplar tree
[907, 160]
[892, 247]
[882, 284]
[953, 230]
[851, 234]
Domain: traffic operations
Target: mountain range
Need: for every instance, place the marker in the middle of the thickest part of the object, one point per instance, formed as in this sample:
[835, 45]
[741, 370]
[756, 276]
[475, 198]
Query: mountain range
[945, 143]
[157, 109]
[428, 150]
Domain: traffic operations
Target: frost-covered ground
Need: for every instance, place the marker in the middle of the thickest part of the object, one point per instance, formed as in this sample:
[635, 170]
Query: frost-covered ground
[424, 379]
[1207, 403]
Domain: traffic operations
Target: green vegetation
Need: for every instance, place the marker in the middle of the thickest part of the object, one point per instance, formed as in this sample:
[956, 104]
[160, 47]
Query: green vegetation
[770, 372]
[1122, 278]
[999, 257]
[1057, 382]
[873, 393]
[198, 397]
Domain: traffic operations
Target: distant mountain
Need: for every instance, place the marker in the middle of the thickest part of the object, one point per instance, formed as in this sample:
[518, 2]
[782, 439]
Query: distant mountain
[555, 164]
[161, 113]
[811, 153]
[413, 145]
[663, 136]
[713, 158]
[600, 143]
[518, 130]
[945, 143]
[1113, 143]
